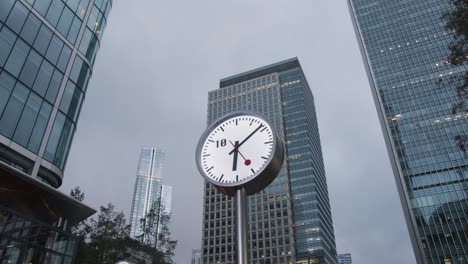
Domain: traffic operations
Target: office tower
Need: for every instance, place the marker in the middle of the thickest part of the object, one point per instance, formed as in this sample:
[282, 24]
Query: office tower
[345, 259]
[405, 49]
[196, 256]
[149, 191]
[47, 51]
[289, 221]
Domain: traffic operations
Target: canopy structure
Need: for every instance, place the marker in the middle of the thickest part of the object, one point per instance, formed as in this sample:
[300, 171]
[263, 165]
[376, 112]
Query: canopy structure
[33, 199]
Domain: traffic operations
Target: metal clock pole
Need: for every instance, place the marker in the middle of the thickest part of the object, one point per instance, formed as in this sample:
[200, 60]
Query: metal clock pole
[214, 165]
[241, 226]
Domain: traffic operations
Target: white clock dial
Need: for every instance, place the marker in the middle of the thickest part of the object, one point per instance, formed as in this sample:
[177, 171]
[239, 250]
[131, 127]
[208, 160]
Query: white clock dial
[237, 149]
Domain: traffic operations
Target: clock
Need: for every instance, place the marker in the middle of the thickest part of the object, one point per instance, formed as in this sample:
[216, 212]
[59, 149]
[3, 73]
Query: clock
[240, 150]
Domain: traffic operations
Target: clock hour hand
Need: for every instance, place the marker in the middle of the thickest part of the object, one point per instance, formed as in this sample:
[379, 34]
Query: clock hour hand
[246, 161]
[234, 158]
[243, 141]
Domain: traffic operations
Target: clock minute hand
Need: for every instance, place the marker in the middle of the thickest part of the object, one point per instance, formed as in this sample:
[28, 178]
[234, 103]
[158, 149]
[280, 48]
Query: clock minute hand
[243, 141]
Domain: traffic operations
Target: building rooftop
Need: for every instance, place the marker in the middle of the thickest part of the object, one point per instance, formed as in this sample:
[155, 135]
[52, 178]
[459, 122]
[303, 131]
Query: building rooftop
[275, 67]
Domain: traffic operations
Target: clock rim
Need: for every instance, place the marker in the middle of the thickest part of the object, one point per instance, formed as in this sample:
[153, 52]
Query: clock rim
[276, 152]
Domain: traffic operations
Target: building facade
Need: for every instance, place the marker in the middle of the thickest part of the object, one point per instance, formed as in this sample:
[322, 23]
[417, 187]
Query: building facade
[290, 221]
[196, 256]
[345, 259]
[405, 48]
[47, 52]
[149, 192]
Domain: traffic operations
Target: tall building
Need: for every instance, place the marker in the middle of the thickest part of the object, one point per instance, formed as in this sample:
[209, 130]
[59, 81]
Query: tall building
[196, 256]
[405, 48]
[149, 191]
[289, 221]
[345, 259]
[47, 51]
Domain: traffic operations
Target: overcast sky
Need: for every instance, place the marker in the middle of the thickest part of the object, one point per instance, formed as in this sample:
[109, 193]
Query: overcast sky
[159, 59]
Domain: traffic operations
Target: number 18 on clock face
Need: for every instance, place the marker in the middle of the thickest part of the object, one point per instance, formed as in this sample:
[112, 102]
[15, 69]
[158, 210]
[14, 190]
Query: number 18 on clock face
[239, 150]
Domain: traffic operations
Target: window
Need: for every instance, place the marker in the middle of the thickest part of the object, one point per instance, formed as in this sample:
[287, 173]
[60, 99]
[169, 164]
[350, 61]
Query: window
[55, 47]
[85, 40]
[39, 128]
[64, 58]
[73, 4]
[55, 10]
[7, 40]
[42, 6]
[43, 39]
[74, 30]
[75, 105]
[6, 86]
[54, 137]
[5, 8]
[27, 120]
[80, 72]
[65, 21]
[67, 97]
[75, 72]
[17, 57]
[54, 86]
[13, 110]
[64, 144]
[82, 8]
[30, 29]
[93, 18]
[43, 78]
[17, 17]
[30, 69]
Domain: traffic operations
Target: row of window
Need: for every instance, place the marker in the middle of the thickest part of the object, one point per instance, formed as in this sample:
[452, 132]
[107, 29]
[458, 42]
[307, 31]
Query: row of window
[20, 229]
[26, 63]
[23, 114]
[61, 18]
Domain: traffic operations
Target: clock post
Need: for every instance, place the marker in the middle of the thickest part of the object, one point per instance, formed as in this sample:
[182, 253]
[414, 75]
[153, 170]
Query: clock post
[240, 154]
[241, 226]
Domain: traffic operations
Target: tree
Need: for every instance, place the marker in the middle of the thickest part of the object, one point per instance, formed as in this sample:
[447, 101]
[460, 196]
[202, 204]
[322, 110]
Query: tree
[106, 240]
[108, 235]
[165, 243]
[77, 194]
[149, 225]
[82, 228]
[155, 231]
[457, 25]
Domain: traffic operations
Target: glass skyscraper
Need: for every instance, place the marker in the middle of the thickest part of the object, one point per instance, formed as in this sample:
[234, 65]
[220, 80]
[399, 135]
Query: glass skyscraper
[47, 52]
[290, 221]
[405, 49]
[149, 191]
[345, 259]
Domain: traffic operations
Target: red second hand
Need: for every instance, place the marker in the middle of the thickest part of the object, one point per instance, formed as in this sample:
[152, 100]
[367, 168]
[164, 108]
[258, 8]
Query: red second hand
[246, 161]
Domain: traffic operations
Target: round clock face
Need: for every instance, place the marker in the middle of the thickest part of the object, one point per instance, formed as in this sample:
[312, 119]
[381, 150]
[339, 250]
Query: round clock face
[236, 149]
